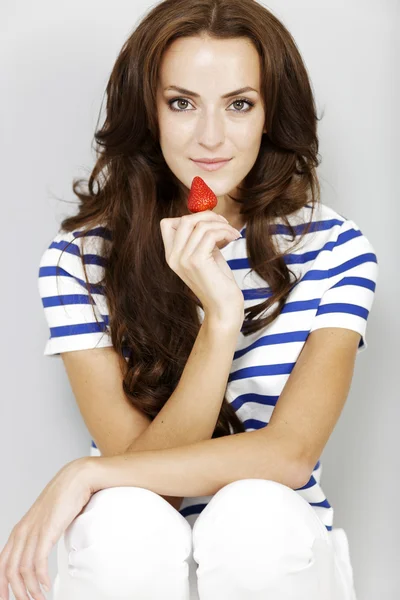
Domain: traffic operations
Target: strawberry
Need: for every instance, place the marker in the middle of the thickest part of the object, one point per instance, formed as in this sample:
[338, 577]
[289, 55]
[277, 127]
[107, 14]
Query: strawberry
[201, 197]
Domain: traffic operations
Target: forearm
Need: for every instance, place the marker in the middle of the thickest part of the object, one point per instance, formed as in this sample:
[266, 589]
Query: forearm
[202, 468]
[191, 412]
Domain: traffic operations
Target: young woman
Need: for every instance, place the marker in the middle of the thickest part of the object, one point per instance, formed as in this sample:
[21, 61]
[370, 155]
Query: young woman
[210, 369]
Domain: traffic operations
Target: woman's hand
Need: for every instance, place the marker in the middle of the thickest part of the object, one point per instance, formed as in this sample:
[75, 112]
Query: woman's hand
[23, 560]
[192, 251]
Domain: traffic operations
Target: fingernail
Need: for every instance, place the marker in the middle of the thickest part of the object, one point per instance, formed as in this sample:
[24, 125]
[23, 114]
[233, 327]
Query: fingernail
[44, 586]
[226, 220]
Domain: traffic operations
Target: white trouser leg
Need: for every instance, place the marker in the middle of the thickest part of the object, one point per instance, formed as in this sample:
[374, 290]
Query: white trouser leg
[258, 539]
[128, 543]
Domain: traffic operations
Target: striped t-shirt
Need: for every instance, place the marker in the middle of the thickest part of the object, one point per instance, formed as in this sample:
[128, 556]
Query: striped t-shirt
[337, 270]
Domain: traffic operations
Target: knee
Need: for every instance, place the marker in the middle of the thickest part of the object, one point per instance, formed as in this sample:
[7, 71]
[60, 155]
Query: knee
[253, 528]
[267, 507]
[126, 514]
[123, 526]
[245, 498]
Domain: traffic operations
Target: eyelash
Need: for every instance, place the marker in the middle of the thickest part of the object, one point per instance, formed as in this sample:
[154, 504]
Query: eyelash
[170, 102]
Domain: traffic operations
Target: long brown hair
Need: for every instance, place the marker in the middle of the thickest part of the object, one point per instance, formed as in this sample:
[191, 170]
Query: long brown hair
[152, 313]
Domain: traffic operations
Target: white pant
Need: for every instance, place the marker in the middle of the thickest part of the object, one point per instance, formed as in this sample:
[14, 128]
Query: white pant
[256, 539]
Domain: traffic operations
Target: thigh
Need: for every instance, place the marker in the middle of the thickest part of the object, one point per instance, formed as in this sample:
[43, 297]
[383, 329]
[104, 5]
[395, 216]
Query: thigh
[66, 587]
[341, 548]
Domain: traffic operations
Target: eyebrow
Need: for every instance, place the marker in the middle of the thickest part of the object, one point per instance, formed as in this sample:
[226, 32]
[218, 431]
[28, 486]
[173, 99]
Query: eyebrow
[228, 95]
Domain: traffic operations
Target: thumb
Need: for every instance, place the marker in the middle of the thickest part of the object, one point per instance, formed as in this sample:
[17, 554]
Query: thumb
[168, 227]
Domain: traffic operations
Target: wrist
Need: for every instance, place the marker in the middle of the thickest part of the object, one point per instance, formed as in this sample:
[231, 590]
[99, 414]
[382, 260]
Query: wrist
[92, 472]
[229, 322]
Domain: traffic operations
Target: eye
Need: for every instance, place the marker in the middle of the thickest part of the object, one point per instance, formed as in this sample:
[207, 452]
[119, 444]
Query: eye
[238, 101]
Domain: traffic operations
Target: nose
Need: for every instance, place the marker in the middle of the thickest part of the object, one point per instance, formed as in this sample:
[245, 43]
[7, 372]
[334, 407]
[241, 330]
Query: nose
[211, 130]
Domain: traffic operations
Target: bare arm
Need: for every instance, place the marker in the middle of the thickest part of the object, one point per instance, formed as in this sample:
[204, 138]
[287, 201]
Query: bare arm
[202, 468]
[191, 413]
[96, 377]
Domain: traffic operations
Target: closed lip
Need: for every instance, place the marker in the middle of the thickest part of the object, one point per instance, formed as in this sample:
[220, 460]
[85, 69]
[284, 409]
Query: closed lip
[210, 160]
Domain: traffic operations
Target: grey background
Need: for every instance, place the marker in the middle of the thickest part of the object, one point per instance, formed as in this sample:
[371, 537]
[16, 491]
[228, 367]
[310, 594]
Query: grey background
[55, 60]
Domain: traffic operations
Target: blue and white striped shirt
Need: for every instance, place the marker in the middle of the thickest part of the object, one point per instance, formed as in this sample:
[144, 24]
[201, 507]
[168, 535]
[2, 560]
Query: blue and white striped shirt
[337, 270]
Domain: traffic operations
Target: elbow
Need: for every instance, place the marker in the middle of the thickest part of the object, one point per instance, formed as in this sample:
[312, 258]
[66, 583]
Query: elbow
[292, 473]
[285, 462]
[298, 466]
[298, 474]
[298, 470]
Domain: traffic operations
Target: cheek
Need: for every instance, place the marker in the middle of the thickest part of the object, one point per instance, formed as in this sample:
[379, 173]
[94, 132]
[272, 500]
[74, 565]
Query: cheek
[249, 145]
[173, 134]
[247, 133]
[170, 142]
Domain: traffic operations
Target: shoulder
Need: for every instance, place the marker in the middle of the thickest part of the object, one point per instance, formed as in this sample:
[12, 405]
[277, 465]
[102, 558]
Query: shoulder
[343, 275]
[68, 252]
[347, 240]
[330, 231]
[71, 266]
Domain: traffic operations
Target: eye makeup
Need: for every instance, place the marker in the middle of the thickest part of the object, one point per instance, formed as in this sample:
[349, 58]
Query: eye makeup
[249, 102]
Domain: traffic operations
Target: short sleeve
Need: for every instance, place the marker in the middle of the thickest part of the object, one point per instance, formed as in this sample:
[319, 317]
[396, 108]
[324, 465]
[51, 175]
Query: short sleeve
[352, 278]
[63, 289]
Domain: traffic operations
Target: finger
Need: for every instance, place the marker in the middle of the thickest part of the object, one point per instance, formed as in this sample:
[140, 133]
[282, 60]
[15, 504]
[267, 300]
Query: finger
[186, 226]
[13, 574]
[230, 233]
[205, 248]
[3, 566]
[43, 549]
[170, 226]
[28, 567]
[222, 263]
[168, 229]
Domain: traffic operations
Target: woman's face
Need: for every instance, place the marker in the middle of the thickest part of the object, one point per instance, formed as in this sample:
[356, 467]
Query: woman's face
[210, 126]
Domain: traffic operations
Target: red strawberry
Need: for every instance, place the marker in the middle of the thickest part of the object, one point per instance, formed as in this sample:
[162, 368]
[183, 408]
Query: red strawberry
[201, 197]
